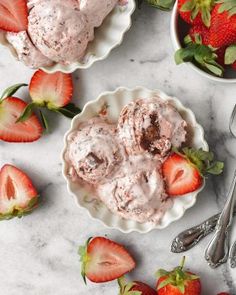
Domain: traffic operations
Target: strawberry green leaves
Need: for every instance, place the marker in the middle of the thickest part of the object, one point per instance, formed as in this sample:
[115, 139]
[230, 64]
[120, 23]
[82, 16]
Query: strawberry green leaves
[230, 55]
[227, 5]
[84, 258]
[10, 91]
[203, 7]
[162, 4]
[165, 5]
[177, 277]
[202, 55]
[126, 288]
[203, 160]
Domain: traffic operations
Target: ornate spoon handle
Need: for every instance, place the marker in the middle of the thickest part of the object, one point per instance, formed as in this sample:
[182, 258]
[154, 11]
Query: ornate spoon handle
[192, 236]
[232, 255]
[218, 249]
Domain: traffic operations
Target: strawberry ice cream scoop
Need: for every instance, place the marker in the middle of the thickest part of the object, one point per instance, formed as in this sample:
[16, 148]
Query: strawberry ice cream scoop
[60, 30]
[137, 191]
[152, 126]
[97, 10]
[26, 51]
[93, 151]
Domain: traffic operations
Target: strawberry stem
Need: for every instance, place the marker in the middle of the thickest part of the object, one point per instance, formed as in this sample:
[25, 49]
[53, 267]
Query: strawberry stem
[182, 263]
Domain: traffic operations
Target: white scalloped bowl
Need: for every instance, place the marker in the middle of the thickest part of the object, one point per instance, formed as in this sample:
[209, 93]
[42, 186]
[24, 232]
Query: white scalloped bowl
[108, 36]
[116, 101]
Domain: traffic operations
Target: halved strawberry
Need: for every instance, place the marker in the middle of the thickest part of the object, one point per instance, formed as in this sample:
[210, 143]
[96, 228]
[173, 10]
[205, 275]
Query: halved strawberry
[53, 90]
[28, 131]
[104, 260]
[180, 175]
[13, 15]
[134, 288]
[18, 196]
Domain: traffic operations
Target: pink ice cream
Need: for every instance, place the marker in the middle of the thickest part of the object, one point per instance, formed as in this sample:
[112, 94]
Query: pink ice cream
[97, 10]
[94, 152]
[137, 191]
[152, 126]
[59, 30]
[26, 50]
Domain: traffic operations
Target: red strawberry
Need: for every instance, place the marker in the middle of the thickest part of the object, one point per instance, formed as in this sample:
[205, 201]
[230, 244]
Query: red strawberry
[180, 175]
[54, 90]
[17, 193]
[28, 131]
[221, 56]
[178, 282]
[196, 12]
[13, 15]
[234, 66]
[104, 260]
[130, 288]
[223, 24]
[199, 30]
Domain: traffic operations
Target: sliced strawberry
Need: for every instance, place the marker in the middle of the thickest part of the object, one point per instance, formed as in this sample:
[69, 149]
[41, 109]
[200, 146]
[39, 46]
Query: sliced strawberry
[18, 196]
[13, 15]
[54, 90]
[28, 131]
[104, 260]
[181, 176]
[130, 288]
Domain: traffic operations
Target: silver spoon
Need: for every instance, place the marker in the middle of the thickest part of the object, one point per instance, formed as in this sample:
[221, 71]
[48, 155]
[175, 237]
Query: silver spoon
[192, 236]
[232, 122]
[232, 255]
[217, 251]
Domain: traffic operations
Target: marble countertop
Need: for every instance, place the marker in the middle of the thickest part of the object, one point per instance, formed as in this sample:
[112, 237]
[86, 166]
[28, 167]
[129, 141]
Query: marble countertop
[38, 254]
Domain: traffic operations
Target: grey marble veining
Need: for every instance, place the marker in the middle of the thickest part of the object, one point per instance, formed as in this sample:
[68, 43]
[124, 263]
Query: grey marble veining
[38, 254]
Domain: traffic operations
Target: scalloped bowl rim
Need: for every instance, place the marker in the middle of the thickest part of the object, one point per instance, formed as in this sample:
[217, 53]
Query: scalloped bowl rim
[78, 65]
[177, 45]
[73, 127]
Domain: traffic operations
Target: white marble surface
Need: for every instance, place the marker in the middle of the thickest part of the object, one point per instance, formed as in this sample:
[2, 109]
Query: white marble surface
[38, 254]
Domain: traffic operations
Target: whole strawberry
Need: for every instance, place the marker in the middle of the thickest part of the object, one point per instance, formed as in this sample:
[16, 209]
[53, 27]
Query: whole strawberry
[178, 282]
[196, 12]
[223, 24]
[134, 288]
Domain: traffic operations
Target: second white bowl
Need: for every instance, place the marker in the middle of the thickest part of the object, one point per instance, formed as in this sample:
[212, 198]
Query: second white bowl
[108, 36]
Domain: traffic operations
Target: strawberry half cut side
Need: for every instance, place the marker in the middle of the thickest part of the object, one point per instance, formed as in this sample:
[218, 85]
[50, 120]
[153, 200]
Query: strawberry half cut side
[104, 260]
[12, 131]
[51, 90]
[184, 171]
[13, 15]
[18, 195]
[181, 177]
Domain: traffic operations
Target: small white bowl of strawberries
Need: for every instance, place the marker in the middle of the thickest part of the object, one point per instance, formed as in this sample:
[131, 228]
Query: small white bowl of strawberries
[203, 33]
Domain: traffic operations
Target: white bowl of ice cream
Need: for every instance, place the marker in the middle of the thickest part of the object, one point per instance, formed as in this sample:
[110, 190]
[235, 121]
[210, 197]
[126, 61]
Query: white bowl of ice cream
[103, 179]
[69, 35]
